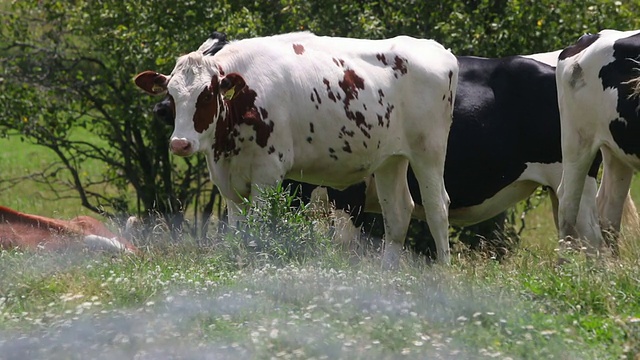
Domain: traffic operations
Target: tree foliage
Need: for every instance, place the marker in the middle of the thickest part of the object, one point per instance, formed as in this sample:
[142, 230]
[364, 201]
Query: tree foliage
[68, 64]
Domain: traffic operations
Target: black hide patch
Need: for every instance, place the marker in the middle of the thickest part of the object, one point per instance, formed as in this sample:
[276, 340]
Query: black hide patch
[218, 45]
[505, 115]
[583, 42]
[626, 128]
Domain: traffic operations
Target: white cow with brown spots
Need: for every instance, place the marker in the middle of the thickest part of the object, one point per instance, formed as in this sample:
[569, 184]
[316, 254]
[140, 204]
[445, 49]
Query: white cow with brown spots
[321, 110]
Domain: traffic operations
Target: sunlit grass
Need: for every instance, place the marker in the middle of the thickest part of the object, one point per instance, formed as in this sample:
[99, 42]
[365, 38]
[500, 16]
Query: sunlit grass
[20, 159]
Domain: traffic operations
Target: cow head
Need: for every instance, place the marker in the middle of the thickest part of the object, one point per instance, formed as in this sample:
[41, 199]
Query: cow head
[196, 94]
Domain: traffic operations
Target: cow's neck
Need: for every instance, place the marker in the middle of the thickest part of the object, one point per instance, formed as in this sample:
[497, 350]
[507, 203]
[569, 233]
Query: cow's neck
[241, 110]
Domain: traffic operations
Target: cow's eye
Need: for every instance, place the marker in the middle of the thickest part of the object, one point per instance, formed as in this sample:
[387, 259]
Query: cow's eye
[207, 96]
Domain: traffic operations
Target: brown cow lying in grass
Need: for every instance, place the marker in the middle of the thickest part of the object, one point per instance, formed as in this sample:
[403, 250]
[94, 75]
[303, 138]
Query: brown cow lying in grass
[26, 231]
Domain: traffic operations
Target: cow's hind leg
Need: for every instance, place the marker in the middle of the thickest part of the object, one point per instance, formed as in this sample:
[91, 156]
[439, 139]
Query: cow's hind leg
[614, 188]
[396, 204]
[435, 201]
[577, 159]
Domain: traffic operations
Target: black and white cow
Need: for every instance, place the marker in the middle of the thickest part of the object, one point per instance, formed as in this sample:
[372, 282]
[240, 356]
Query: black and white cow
[598, 79]
[327, 111]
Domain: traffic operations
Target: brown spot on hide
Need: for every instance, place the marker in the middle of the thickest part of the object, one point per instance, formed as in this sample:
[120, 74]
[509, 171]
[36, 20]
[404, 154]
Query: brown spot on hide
[349, 133]
[382, 59]
[399, 66]
[333, 156]
[309, 139]
[220, 70]
[338, 62]
[380, 96]
[350, 84]
[317, 96]
[298, 49]
[330, 94]
[241, 110]
[346, 147]
[311, 127]
[359, 119]
[271, 150]
[387, 114]
[380, 121]
[207, 106]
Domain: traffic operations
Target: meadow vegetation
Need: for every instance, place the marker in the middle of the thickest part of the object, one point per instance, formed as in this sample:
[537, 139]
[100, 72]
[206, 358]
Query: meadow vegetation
[279, 288]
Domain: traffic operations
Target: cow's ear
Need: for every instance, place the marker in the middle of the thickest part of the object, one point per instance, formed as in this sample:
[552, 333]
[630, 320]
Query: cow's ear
[152, 82]
[231, 85]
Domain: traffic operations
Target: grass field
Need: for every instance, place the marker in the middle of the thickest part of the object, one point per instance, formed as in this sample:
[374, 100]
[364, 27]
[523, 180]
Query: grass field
[21, 159]
[282, 290]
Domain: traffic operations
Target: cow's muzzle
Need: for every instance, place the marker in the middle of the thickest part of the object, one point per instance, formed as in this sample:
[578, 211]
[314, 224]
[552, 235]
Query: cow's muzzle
[181, 147]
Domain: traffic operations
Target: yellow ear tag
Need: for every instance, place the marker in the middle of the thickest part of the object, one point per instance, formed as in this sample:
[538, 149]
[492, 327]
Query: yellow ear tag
[157, 89]
[229, 94]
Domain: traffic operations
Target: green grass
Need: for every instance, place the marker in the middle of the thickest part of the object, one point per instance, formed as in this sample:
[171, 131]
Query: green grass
[20, 159]
[279, 288]
[180, 296]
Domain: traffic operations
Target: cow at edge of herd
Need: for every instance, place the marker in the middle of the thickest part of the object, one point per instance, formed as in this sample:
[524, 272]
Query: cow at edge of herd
[404, 128]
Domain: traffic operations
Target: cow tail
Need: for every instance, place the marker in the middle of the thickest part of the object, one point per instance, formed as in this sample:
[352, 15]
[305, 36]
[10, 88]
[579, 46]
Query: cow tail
[630, 218]
[631, 224]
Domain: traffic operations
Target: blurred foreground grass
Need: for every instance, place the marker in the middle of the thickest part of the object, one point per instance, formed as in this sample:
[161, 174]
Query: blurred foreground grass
[280, 289]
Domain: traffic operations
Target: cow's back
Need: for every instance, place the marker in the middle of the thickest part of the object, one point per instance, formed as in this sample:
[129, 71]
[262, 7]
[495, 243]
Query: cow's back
[332, 99]
[30, 231]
